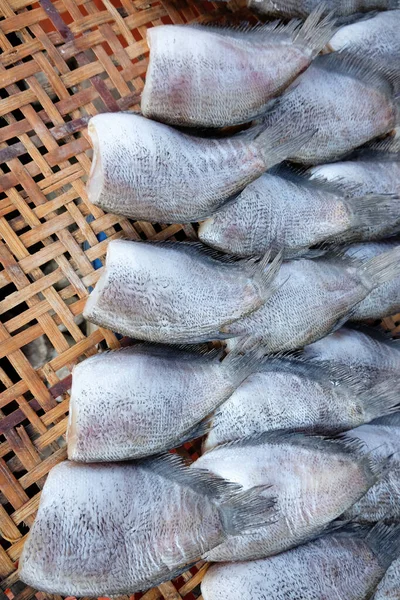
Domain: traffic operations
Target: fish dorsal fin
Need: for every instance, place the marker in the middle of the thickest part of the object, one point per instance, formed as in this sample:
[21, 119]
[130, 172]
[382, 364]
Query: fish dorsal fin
[344, 63]
[181, 351]
[203, 482]
[326, 374]
[301, 176]
[323, 444]
[314, 33]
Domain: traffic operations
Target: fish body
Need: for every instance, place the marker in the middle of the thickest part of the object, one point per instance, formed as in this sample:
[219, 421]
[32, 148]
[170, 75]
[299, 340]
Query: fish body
[156, 399]
[377, 36]
[284, 210]
[195, 175]
[385, 299]
[123, 527]
[314, 481]
[290, 395]
[201, 76]
[302, 8]
[382, 500]
[389, 587]
[315, 298]
[326, 99]
[347, 564]
[175, 292]
[369, 354]
[371, 173]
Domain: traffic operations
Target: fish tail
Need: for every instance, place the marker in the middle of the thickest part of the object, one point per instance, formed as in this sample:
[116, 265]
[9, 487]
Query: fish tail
[248, 510]
[317, 29]
[275, 147]
[267, 272]
[380, 269]
[241, 363]
[384, 542]
[372, 209]
[382, 399]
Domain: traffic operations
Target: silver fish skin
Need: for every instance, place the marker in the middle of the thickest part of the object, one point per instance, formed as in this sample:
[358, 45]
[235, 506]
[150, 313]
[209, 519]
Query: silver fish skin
[315, 298]
[195, 175]
[366, 352]
[326, 99]
[389, 587]
[157, 398]
[175, 292]
[302, 8]
[348, 565]
[314, 480]
[201, 76]
[383, 301]
[284, 210]
[382, 501]
[373, 172]
[124, 527]
[295, 395]
[376, 36]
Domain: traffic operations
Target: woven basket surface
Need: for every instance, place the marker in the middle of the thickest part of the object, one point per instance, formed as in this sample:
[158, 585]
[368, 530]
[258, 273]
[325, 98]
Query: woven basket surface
[60, 63]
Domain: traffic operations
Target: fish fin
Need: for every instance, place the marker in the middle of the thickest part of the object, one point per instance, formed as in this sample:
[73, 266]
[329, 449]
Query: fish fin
[247, 510]
[381, 399]
[387, 149]
[380, 269]
[384, 542]
[317, 29]
[373, 208]
[273, 146]
[392, 420]
[241, 364]
[267, 272]
[171, 350]
[301, 176]
[378, 77]
[203, 482]
[324, 444]
[197, 431]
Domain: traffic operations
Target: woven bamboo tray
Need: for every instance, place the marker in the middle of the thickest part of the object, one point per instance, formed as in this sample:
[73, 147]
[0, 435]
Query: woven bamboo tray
[61, 62]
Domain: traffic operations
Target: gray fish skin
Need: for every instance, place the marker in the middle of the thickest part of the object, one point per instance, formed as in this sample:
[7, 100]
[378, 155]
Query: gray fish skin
[382, 501]
[175, 292]
[315, 298]
[346, 565]
[326, 99]
[294, 213]
[374, 174]
[389, 587]
[196, 75]
[195, 175]
[383, 301]
[124, 527]
[314, 481]
[372, 359]
[377, 36]
[155, 400]
[302, 8]
[293, 395]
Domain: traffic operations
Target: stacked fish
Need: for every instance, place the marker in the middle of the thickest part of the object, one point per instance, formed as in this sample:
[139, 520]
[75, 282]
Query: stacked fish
[297, 493]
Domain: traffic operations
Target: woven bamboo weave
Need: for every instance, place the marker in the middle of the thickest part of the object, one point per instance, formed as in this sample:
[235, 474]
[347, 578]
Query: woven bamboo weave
[60, 63]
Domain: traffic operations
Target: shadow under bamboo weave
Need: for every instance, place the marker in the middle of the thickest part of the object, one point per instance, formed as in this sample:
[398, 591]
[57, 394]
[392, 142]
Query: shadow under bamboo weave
[60, 63]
